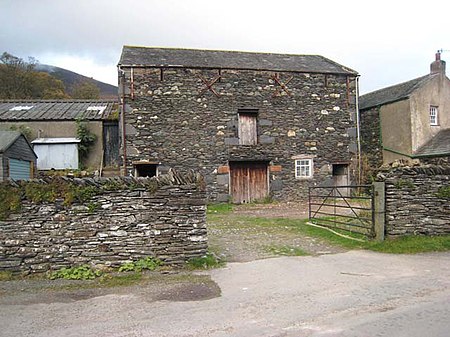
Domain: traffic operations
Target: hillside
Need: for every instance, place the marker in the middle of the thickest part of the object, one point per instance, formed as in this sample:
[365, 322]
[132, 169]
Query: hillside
[69, 78]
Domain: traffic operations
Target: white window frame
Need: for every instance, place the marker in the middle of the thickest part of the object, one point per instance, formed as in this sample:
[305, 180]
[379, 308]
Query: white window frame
[434, 113]
[304, 168]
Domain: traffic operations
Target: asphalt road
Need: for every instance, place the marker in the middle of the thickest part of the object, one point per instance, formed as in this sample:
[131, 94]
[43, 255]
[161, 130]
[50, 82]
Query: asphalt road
[356, 293]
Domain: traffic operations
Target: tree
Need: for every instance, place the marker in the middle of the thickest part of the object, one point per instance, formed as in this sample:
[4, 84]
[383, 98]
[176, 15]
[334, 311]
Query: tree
[85, 90]
[20, 80]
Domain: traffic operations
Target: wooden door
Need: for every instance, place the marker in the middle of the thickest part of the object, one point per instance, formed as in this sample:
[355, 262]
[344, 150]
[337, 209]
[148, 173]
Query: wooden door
[248, 181]
[248, 134]
[110, 144]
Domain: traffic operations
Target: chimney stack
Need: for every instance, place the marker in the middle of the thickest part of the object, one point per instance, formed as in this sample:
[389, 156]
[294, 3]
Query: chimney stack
[438, 66]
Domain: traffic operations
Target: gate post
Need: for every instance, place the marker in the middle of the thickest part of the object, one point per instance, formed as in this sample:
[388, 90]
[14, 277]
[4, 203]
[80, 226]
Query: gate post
[379, 210]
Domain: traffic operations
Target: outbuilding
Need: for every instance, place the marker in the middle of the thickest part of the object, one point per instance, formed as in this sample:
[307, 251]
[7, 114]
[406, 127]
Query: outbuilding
[17, 158]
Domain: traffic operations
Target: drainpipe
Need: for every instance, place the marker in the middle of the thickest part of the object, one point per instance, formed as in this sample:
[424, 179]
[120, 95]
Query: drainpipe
[358, 131]
[124, 143]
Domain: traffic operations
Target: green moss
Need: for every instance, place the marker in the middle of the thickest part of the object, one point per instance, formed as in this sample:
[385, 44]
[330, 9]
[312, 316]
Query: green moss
[443, 192]
[10, 200]
[402, 183]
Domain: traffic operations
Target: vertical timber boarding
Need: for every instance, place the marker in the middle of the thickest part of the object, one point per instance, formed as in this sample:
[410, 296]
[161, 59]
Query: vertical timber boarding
[110, 144]
[249, 181]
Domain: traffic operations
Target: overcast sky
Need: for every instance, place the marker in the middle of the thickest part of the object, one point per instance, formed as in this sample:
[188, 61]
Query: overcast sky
[386, 41]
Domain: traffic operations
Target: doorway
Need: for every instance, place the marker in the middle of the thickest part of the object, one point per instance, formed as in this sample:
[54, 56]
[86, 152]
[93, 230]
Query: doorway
[248, 181]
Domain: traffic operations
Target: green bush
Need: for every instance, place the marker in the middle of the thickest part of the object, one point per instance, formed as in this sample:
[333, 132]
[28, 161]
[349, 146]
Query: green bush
[76, 273]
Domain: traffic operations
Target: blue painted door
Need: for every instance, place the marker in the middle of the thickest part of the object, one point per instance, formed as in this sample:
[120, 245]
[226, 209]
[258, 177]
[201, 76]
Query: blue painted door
[19, 169]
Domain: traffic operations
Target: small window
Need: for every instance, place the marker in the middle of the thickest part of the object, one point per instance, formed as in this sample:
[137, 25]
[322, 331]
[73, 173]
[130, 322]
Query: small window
[433, 115]
[145, 170]
[303, 168]
[248, 133]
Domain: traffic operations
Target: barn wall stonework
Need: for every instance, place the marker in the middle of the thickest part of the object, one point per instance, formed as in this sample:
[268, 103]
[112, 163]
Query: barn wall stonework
[173, 119]
[126, 221]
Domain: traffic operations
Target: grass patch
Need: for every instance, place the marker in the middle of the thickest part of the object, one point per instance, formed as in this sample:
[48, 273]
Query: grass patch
[412, 244]
[286, 251]
[209, 261]
[402, 245]
[6, 276]
[219, 208]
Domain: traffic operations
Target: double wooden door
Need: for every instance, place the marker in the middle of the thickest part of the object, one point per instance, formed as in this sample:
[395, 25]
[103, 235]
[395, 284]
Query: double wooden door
[249, 181]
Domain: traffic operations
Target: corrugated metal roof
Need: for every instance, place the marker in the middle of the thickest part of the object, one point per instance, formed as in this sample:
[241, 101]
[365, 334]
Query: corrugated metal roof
[393, 93]
[195, 58]
[7, 138]
[436, 146]
[11, 110]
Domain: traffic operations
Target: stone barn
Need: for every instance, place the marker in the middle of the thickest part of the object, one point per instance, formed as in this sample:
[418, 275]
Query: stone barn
[256, 125]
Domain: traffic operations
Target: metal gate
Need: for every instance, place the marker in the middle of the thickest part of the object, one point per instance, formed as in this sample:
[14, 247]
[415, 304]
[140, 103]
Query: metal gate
[334, 207]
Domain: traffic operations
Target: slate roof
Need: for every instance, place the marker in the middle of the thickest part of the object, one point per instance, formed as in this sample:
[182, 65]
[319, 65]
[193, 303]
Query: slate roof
[7, 138]
[438, 145]
[393, 93]
[39, 110]
[196, 58]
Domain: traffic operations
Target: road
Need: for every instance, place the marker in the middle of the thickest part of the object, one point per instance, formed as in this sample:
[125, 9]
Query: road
[356, 293]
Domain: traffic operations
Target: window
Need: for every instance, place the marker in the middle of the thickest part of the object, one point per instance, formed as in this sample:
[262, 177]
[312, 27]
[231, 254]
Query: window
[433, 115]
[303, 168]
[145, 170]
[248, 134]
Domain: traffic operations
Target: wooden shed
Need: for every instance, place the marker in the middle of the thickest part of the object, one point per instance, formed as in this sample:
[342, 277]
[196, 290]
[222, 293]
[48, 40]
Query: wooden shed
[17, 158]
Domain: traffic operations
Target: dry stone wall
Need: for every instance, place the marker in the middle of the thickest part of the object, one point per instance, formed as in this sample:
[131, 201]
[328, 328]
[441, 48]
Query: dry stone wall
[162, 217]
[417, 200]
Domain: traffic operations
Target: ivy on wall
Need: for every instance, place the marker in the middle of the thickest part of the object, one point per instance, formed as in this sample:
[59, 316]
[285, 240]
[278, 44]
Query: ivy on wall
[86, 137]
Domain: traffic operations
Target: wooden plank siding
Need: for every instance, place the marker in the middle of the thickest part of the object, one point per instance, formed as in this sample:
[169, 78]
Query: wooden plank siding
[249, 181]
[248, 134]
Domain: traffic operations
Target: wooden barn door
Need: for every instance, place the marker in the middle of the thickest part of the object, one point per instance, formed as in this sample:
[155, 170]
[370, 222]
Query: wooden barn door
[249, 181]
[110, 144]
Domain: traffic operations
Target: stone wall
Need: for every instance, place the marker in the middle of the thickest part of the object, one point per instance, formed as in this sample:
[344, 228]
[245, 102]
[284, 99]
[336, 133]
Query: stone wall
[173, 120]
[414, 200]
[371, 146]
[128, 219]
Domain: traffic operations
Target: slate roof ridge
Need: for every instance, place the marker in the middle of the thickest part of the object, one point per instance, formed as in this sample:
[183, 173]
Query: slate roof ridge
[201, 58]
[392, 93]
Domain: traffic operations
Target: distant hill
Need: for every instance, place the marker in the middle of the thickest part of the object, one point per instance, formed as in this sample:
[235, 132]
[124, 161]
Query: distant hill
[69, 78]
